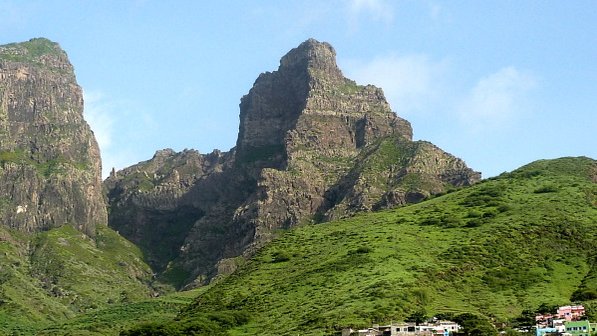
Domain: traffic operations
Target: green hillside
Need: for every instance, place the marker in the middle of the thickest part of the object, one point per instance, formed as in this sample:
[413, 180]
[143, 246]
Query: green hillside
[58, 274]
[505, 245]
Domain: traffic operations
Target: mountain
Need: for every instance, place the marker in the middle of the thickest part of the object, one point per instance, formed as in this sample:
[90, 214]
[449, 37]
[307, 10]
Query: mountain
[50, 161]
[501, 247]
[312, 146]
[58, 257]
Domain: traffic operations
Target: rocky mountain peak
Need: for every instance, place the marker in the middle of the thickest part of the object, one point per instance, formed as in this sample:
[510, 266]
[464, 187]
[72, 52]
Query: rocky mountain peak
[318, 58]
[308, 103]
[312, 146]
[49, 159]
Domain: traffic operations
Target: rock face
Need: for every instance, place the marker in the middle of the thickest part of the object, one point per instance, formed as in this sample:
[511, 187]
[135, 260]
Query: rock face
[312, 146]
[49, 159]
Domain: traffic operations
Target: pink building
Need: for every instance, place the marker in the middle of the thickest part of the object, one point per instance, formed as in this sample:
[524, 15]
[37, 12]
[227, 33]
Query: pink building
[571, 313]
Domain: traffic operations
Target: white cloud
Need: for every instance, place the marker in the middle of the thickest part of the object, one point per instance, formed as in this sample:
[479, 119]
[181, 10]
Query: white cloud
[377, 10]
[99, 116]
[411, 83]
[496, 99]
[117, 122]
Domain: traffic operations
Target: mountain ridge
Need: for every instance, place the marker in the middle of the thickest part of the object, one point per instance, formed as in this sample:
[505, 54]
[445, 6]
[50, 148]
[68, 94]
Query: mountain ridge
[312, 146]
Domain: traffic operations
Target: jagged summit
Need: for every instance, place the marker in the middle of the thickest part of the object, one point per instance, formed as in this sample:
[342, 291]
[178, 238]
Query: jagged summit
[312, 146]
[317, 57]
[296, 106]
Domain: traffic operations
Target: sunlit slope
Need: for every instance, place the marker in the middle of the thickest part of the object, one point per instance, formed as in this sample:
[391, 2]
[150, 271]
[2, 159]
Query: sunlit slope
[57, 274]
[504, 245]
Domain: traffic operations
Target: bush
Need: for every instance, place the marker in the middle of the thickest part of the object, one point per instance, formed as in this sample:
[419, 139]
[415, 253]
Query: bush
[280, 256]
[363, 249]
[585, 294]
[476, 222]
[474, 325]
[546, 189]
[474, 213]
[490, 213]
[504, 208]
[431, 221]
[451, 221]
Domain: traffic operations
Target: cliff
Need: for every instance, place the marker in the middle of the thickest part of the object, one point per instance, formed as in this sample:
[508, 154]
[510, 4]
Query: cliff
[312, 146]
[49, 159]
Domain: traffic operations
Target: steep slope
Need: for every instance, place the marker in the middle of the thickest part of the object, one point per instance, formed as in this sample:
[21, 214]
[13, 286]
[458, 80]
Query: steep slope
[58, 257]
[497, 248]
[312, 146]
[49, 159]
[58, 274]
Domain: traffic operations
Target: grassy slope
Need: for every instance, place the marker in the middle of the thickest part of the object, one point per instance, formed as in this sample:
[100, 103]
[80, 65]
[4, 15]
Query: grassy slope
[55, 275]
[111, 320]
[499, 247]
[505, 245]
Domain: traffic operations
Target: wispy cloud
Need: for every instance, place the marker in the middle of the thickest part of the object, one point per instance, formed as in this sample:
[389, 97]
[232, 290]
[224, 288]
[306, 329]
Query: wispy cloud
[100, 118]
[117, 122]
[496, 99]
[376, 10]
[410, 82]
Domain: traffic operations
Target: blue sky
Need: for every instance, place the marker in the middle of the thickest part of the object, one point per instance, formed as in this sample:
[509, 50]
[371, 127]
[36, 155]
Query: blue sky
[497, 83]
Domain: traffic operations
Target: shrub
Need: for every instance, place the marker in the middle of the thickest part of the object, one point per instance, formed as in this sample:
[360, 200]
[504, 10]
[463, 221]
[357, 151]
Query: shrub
[546, 189]
[431, 221]
[450, 221]
[490, 213]
[503, 208]
[474, 325]
[474, 213]
[280, 256]
[584, 294]
[476, 222]
[364, 249]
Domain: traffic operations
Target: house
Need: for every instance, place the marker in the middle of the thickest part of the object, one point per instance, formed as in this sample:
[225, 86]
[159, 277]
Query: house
[578, 328]
[559, 325]
[571, 313]
[543, 331]
[437, 328]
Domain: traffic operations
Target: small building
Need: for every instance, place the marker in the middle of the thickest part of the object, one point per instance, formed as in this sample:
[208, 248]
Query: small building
[559, 325]
[437, 328]
[544, 331]
[571, 313]
[578, 328]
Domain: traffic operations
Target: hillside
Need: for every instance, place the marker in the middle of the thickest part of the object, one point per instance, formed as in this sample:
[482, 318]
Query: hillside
[497, 248]
[60, 273]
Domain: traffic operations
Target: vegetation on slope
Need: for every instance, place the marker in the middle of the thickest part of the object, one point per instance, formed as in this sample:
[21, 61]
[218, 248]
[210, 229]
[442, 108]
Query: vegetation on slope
[506, 245]
[57, 274]
[31, 51]
[113, 319]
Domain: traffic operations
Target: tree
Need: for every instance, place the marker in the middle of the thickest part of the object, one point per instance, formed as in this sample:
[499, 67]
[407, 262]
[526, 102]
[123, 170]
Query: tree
[474, 325]
[419, 316]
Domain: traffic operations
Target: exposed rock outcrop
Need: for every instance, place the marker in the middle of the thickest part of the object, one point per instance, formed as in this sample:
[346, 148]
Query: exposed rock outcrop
[312, 146]
[49, 159]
